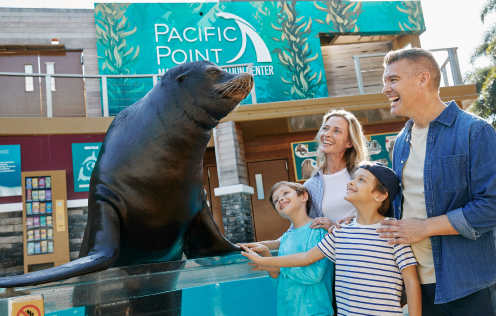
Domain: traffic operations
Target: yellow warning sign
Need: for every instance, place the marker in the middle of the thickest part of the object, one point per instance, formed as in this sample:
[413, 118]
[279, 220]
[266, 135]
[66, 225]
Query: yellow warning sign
[31, 308]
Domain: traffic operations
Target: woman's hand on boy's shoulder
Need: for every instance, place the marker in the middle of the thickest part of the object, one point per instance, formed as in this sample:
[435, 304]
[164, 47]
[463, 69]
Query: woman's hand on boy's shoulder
[321, 222]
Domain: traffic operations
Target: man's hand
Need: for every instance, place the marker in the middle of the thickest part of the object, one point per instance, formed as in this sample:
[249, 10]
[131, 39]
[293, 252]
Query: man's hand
[406, 231]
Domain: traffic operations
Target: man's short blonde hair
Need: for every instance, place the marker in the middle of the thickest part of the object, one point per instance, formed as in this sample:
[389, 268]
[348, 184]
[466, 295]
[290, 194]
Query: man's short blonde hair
[421, 59]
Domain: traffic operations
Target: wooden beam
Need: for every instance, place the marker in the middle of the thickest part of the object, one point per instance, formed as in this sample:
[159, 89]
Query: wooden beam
[54, 125]
[249, 112]
[321, 105]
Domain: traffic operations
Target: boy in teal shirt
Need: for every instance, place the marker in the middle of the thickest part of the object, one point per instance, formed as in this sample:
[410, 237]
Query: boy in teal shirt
[300, 290]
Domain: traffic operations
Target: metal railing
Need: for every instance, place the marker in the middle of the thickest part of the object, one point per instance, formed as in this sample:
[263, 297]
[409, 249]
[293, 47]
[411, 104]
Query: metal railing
[452, 59]
[105, 84]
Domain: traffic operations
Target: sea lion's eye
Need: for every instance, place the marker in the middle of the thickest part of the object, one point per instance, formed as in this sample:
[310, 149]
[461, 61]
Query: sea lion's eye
[214, 72]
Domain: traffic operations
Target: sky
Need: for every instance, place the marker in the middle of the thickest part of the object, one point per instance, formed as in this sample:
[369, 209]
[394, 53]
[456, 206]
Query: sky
[449, 23]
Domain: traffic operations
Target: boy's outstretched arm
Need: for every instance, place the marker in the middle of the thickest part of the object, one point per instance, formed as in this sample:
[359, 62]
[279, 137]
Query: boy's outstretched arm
[302, 259]
[413, 293]
[271, 244]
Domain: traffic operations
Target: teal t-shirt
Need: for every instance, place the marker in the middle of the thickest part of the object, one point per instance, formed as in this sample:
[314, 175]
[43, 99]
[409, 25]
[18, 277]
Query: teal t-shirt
[304, 290]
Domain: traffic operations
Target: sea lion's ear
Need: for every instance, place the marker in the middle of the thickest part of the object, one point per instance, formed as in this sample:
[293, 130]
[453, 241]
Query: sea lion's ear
[182, 76]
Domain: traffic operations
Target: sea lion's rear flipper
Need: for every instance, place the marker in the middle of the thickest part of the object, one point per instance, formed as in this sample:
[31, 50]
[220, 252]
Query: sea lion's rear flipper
[204, 238]
[103, 244]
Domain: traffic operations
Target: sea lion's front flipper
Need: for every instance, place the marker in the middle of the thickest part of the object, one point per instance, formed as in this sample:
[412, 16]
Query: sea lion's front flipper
[204, 238]
[103, 244]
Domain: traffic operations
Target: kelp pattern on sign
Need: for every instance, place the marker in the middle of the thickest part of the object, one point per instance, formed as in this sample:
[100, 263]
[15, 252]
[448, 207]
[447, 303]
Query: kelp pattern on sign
[341, 17]
[112, 28]
[414, 12]
[295, 54]
[111, 31]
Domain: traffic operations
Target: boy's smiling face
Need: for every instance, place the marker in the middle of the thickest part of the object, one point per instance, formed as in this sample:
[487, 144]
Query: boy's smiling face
[287, 201]
[361, 188]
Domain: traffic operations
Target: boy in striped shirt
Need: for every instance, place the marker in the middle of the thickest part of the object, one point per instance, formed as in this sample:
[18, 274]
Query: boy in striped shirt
[369, 271]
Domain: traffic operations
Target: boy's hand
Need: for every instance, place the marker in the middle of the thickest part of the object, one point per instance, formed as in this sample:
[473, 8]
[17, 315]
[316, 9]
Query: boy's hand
[331, 229]
[250, 254]
[258, 248]
[345, 221]
[263, 268]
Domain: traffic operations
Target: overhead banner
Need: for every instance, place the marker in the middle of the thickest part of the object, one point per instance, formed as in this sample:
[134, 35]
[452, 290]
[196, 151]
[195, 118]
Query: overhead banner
[84, 156]
[10, 170]
[281, 39]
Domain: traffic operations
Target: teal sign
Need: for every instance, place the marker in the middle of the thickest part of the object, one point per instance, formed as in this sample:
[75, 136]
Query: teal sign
[84, 156]
[10, 170]
[381, 148]
[281, 39]
[304, 159]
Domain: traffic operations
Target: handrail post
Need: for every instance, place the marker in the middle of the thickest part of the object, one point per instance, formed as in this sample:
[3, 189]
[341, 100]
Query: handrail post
[154, 80]
[358, 71]
[48, 89]
[445, 76]
[253, 92]
[105, 96]
[455, 67]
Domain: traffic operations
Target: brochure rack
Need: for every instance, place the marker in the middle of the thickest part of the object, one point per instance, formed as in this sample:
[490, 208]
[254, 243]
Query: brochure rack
[45, 224]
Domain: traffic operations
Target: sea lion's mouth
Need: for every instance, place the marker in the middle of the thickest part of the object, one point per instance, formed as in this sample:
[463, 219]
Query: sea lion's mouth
[237, 88]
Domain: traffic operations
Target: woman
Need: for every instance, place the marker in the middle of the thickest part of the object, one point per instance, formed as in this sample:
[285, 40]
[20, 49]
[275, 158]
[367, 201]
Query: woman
[342, 146]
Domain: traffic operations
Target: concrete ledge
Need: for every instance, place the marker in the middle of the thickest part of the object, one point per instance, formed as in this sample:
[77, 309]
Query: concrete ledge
[233, 189]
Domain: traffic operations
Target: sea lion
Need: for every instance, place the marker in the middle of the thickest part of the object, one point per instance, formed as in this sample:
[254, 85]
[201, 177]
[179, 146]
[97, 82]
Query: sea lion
[146, 200]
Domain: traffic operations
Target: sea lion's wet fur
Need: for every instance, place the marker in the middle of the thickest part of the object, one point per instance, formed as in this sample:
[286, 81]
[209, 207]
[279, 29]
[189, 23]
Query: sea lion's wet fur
[146, 201]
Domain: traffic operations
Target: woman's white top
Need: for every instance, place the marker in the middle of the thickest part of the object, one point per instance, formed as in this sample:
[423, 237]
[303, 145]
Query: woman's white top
[334, 206]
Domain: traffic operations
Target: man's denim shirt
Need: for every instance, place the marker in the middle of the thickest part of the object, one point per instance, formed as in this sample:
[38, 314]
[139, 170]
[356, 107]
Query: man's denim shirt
[459, 181]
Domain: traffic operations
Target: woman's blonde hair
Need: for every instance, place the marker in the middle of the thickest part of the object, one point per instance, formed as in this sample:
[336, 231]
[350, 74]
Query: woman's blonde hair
[354, 155]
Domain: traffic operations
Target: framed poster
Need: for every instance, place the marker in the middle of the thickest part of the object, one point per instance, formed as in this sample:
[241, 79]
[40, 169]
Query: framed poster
[304, 159]
[84, 156]
[381, 148]
[10, 170]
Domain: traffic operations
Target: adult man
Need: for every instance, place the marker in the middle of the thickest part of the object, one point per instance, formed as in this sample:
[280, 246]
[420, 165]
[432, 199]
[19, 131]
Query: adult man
[446, 161]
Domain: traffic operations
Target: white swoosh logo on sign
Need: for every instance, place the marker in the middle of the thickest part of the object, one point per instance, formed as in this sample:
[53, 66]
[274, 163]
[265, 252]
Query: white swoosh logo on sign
[263, 54]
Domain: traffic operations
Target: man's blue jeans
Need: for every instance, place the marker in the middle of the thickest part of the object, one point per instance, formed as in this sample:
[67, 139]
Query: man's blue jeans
[482, 303]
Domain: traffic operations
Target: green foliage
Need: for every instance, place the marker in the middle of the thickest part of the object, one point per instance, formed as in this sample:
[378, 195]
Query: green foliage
[488, 8]
[485, 83]
[341, 16]
[485, 78]
[414, 11]
[295, 56]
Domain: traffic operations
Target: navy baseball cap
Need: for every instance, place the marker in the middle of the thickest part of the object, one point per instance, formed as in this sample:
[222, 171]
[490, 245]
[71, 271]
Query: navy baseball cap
[388, 178]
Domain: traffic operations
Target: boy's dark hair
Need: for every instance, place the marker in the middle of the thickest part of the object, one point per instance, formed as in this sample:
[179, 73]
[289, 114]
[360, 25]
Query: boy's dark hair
[379, 187]
[299, 188]
[383, 173]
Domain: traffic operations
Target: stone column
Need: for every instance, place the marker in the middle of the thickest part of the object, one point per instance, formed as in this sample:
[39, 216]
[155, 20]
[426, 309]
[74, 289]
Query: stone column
[234, 192]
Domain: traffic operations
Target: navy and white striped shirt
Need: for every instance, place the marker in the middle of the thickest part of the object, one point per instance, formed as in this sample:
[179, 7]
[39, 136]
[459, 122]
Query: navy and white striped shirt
[368, 270]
